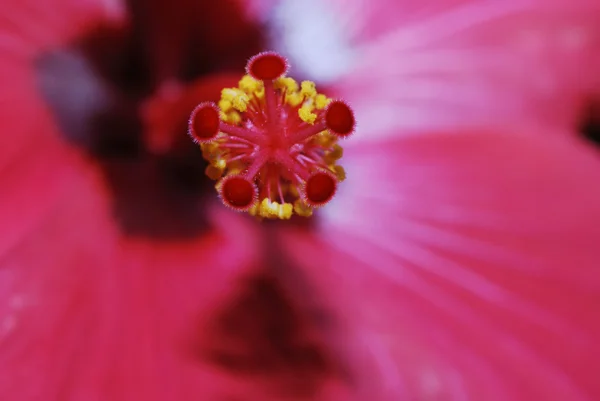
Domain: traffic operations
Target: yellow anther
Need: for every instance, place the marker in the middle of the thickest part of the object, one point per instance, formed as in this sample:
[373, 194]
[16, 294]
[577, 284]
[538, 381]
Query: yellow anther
[306, 114]
[259, 94]
[335, 154]
[209, 147]
[214, 173]
[209, 150]
[308, 89]
[249, 84]
[225, 105]
[272, 210]
[285, 211]
[240, 103]
[302, 209]
[254, 209]
[219, 163]
[294, 99]
[233, 117]
[325, 139]
[321, 101]
[340, 173]
[229, 93]
[289, 84]
[265, 208]
[238, 98]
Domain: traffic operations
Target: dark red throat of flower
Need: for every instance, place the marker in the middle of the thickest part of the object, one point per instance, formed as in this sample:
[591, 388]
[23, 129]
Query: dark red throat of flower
[272, 142]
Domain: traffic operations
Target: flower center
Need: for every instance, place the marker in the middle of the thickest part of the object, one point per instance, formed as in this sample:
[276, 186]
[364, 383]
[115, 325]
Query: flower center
[272, 143]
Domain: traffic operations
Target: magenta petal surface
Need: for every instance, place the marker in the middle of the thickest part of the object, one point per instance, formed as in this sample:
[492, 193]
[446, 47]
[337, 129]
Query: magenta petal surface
[30, 26]
[465, 267]
[422, 65]
[87, 313]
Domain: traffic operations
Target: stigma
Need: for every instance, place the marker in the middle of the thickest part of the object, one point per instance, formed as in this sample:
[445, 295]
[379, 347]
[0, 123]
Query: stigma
[272, 143]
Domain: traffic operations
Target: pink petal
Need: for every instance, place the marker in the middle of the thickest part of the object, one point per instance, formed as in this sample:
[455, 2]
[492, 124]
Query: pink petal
[57, 293]
[29, 26]
[169, 293]
[421, 65]
[32, 157]
[465, 267]
[87, 313]
[86, 316]
[259, 10]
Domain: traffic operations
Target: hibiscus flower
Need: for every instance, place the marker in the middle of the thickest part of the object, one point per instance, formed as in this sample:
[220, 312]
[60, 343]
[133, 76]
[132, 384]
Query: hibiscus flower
[448, 266]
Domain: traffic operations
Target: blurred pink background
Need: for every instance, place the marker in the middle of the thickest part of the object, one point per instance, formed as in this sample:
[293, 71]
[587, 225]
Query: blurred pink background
[460, 260]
